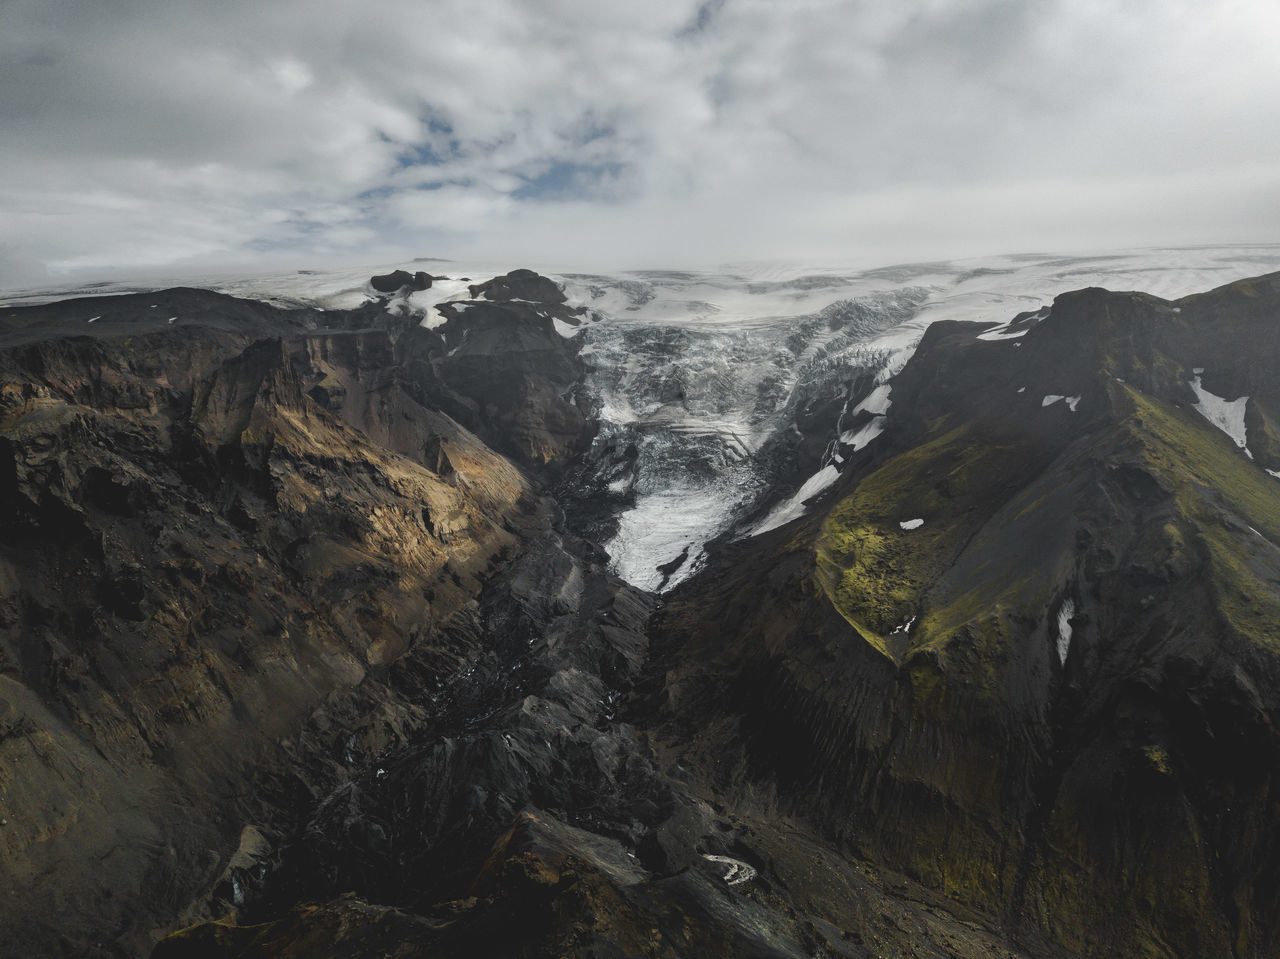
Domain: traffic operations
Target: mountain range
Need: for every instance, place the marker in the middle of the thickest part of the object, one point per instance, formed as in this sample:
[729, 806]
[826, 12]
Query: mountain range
[931, 611]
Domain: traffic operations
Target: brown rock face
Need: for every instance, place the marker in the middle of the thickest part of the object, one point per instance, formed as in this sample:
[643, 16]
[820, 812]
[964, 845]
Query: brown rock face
[219, 554]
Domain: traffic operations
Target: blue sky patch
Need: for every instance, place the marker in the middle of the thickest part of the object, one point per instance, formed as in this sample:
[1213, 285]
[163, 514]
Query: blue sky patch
[567, 180]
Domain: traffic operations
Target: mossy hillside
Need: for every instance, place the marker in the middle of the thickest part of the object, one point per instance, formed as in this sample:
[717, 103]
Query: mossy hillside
[1222, 493]
[1010, 571]
[944, 764]
[1262, 422]
[983, 578]
[875, 572]
[877, 575]
[1143, 863]
[1101, 801]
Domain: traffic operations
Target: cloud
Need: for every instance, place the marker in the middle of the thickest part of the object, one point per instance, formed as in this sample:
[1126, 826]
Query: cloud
[133, 134]
[18, 270]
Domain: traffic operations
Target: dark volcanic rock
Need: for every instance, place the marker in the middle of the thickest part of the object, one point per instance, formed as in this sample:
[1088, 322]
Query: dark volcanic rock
[399, 280]
[504, 372]
[538, 823]
[519, 285]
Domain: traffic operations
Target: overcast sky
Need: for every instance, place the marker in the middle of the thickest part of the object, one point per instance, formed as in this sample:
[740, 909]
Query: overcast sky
[136, 134]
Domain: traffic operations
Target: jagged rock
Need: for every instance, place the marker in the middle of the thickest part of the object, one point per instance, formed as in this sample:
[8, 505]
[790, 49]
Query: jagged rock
[519, 285]
[210, 579]
[400, 279]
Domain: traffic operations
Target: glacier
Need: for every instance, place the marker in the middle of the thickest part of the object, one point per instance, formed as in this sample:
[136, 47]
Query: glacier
[702, 376]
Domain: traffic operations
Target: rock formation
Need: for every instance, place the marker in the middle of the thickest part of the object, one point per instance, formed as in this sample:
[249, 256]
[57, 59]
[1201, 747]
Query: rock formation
[401, 280]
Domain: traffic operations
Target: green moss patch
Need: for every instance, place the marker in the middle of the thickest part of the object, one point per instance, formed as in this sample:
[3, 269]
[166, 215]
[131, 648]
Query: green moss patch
[1214, 483]
[875, 572]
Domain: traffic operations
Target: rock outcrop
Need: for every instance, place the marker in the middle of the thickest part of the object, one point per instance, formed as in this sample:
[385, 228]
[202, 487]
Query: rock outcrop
[398, 280]
[519, 285]
[507, 374]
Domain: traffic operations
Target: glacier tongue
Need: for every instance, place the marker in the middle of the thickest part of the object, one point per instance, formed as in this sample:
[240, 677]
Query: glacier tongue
[704, 404]
[662, 527]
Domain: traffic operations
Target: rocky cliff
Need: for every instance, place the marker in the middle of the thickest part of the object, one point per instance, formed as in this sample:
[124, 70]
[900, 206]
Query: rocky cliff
[234, 541]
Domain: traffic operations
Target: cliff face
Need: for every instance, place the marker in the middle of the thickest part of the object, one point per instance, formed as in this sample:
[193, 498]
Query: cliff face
[232, 543]
[1027, 655]
[499, 366]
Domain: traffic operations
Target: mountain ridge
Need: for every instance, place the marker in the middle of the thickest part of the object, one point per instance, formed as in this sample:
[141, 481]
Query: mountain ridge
[1005, 687]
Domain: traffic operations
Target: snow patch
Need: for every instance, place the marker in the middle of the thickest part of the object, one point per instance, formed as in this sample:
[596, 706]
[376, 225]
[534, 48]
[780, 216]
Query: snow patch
[1274, 473]
[1022, 389]
[912, 523]
[1226, 415]
[860, 438]
[567, 330]
[1065, 612]
[93, 319]
[739, 872]
[1001, 332]
[905, 627]
[877, 401]
[793, 507]
[1072, 401]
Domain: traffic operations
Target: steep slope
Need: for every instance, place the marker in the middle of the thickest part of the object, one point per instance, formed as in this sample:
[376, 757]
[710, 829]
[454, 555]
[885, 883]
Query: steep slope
[1027, 654]
[504, 370]
[232, 545]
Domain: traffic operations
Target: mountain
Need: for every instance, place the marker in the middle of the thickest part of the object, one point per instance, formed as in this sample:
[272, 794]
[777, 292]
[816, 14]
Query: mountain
[1026, 652]
[241, 547]
[966, 644]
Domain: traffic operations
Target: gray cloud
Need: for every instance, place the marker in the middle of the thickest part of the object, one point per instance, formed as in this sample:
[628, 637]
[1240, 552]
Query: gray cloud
[134, 134]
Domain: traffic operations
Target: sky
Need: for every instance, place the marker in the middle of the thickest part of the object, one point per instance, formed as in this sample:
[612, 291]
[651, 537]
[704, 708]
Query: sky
[137, 135]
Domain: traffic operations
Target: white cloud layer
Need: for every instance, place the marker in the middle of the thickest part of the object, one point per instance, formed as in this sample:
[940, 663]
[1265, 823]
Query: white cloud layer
[137, 134]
